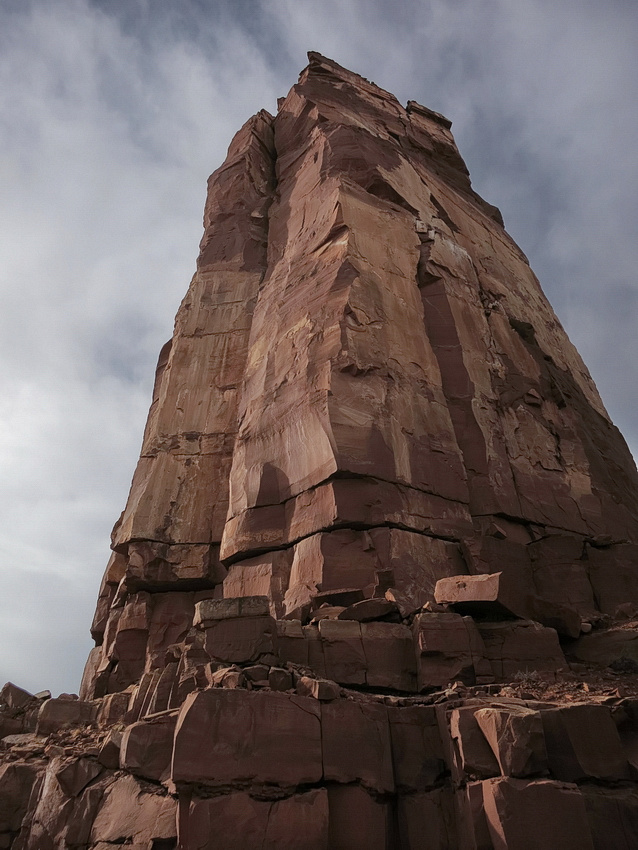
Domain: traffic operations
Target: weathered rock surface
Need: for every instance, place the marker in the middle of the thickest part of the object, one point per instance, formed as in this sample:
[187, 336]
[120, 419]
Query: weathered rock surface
[365, 379]
[376, 479]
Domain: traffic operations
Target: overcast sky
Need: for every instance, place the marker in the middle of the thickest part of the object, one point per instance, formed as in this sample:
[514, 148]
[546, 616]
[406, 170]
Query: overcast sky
[112, 115]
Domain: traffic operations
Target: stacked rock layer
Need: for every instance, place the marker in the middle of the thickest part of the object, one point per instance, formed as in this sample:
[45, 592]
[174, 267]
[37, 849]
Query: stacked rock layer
[376, 479]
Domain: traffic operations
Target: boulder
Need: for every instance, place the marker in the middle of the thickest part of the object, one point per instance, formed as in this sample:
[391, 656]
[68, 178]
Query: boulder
[241, 640]
[58, 714]
[279, 679]
[321, 689]
[612, 814]
[370, 609]
[210, 611]
[109, 754]
[14, 698]
[473, 756]
[503, 594]
[291, 642]
[448, 648]
[521, 646]
[427, 820]
[515, 734]
[146, 747]
[607, 646]
[76, 774]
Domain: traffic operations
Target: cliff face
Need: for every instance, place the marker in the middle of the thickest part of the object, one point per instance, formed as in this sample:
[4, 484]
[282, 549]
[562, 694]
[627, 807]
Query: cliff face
[365, 376]
[374, 468]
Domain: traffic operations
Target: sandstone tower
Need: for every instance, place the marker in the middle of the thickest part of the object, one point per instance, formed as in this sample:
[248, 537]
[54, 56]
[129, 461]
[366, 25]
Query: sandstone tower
[377, 482]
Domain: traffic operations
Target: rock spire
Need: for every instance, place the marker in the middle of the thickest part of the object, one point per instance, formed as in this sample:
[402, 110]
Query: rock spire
[377, 484]
[366, 379]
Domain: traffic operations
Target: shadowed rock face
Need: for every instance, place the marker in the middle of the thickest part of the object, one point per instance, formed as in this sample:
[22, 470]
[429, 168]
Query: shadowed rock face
[365, 380]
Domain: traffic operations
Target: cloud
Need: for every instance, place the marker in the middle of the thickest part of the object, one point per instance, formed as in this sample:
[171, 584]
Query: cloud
[112, 115]
[107, 144]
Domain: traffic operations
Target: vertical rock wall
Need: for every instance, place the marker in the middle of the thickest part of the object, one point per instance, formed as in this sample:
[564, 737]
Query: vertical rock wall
[365, 377]
[376, 483]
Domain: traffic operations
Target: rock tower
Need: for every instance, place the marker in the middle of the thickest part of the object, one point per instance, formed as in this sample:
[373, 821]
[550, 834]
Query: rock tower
[381, 532]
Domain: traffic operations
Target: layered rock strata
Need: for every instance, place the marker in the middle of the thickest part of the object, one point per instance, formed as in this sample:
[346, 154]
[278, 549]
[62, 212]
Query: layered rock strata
[376, 481]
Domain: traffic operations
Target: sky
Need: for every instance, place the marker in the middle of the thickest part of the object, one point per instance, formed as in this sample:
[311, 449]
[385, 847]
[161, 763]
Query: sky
[112, 115]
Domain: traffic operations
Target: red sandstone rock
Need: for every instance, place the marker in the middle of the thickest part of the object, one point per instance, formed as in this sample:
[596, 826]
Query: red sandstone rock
[522, 814]
[417, 751]
[233, 736]
[240, 822]
[16, 783]
[448, 648]
[113, 708]
[328, 612]
[291, 642]
[316, 660]
[473, 756]
[210, 611]
[60, 713]
[279, 679]
[364, 381]
[369, 609]
[321, 689]
[514, 647]
[343, 653]
[58, 819]
[130, 812]
[606, 647]
[356, 744]
[583, 742]
[241, 640]
[479, 594]
[471, 824]
[357, 821]
[613, 817]
[389, 655]
[415, 386]
[14, 698]
[406, 604]
[227, 677]
[516, 737]
[501, 593]
[76, 774]
[263, 575]
[146, 748]
[427, 820]
[109, 754]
